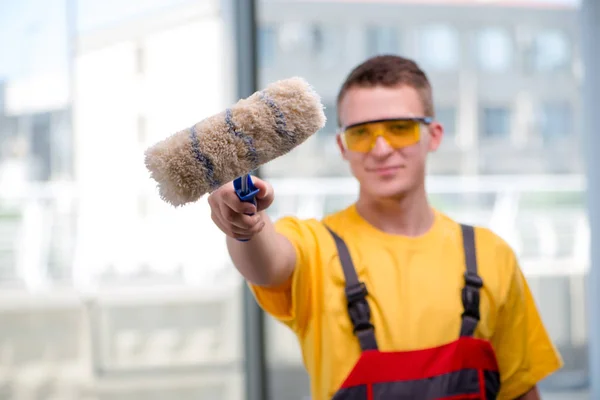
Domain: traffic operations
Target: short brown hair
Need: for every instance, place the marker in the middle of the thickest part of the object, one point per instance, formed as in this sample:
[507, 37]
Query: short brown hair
[390, 71]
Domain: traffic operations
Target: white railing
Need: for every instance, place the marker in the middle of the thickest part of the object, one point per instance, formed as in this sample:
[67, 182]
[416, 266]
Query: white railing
[44, 225]
[523, 227]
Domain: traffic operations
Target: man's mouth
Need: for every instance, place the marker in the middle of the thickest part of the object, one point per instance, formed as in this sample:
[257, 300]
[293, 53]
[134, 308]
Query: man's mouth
[384, 170]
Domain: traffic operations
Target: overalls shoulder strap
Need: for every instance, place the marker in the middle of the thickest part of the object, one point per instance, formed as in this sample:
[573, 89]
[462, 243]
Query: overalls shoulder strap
[473, 283]
[356, 293]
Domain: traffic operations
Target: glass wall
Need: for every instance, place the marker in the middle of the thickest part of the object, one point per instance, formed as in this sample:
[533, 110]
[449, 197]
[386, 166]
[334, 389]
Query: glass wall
[506, 82]
[106, 291]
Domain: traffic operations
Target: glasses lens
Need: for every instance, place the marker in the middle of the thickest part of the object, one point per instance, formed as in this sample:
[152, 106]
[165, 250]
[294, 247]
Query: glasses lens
[359, 137]
[398, 133]
[401, 133]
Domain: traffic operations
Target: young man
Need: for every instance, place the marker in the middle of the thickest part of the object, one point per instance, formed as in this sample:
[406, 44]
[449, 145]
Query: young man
[390, 298]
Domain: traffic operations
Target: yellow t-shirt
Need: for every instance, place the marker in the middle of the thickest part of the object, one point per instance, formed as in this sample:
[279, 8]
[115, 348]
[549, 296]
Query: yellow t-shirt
[414, 289]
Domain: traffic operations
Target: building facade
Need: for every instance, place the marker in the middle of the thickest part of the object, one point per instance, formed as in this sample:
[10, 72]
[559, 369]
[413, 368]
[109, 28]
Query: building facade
[506, 78]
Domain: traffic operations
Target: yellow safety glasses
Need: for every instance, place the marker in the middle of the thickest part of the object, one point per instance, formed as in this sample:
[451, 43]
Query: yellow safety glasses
[398, 133]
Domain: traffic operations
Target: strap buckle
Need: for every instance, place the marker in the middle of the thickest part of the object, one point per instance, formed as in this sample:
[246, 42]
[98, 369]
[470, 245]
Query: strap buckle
[358, 308]
[356, 292]
[470, 295]
[473, 280]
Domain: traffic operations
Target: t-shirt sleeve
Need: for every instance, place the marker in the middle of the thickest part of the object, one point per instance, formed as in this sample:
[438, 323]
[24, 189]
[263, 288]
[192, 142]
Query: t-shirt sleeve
[524, 349]
[290, 303]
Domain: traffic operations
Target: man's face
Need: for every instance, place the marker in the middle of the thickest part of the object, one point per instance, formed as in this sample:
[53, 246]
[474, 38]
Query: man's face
[384, 171]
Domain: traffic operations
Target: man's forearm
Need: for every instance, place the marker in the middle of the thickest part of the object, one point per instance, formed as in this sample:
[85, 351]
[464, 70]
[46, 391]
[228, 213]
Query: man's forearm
[267, 259]
[532, 394]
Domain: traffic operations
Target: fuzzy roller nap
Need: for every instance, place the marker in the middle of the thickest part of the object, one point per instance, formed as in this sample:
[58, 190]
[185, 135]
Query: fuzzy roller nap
[228, 146]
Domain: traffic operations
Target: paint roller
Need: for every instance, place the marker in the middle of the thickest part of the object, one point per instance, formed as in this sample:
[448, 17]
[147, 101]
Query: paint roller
[228, 146]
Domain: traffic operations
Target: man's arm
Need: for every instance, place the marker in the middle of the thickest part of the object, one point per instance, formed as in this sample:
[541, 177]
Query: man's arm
[267, 259]
[524, 349]
[532, 394]
[274, 258]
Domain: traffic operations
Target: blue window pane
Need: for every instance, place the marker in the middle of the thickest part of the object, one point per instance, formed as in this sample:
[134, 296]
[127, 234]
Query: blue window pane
[447, 117]
[495, 122]
[382, 40]
[551, 51]
[267, 41]
[494, 49]
[438, 47]
[556, 120]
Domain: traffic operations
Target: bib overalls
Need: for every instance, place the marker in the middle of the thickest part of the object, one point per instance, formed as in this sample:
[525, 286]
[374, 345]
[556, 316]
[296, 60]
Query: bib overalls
[463, 369]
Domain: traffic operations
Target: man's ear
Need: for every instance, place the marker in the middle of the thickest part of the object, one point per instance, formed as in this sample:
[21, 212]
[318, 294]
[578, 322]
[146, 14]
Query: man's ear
[340, 143]
[436, 133]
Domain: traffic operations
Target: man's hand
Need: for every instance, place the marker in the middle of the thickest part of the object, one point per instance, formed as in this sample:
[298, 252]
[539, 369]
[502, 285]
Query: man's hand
[269, 258]
[231, 215]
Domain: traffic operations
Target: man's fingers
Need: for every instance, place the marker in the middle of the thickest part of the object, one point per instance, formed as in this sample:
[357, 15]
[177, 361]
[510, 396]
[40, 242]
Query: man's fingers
[236, 219]
[247, 233]
[219, 222]
[242, 221]
[235, 231]
[241, 207]
[264, 189]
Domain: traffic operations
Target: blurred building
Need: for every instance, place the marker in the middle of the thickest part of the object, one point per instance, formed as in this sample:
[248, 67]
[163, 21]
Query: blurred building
[35, 141]
[506, 75]
[36, 137]
[506, 79]
[139, 80]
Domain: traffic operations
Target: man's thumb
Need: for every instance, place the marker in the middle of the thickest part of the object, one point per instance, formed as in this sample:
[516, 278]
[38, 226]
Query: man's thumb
[262, 186]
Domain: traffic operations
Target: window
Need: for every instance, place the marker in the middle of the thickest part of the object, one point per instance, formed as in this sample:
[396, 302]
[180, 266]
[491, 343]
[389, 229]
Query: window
[382, 40]
[267, 37]
[556, 120]
[495, 122]
[438, 47]
[8, 130]
[318, 39]
[327, 44]
[41, 131]
[447, 117]
[331, 115]
[550, 51]
[296, 37]
[494, 50]
[323, 43]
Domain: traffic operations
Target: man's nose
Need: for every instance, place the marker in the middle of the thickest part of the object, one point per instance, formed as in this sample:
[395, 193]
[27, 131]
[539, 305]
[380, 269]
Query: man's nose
[381, 147]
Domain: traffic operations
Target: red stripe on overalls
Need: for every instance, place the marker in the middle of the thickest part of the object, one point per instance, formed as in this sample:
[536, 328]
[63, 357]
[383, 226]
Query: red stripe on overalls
[463, 369]
[465, 353]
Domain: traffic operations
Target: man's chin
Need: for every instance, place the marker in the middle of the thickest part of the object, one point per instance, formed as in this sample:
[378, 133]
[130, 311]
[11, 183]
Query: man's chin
[389, 190]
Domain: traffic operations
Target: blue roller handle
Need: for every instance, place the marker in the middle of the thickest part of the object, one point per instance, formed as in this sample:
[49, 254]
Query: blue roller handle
[246, 191]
